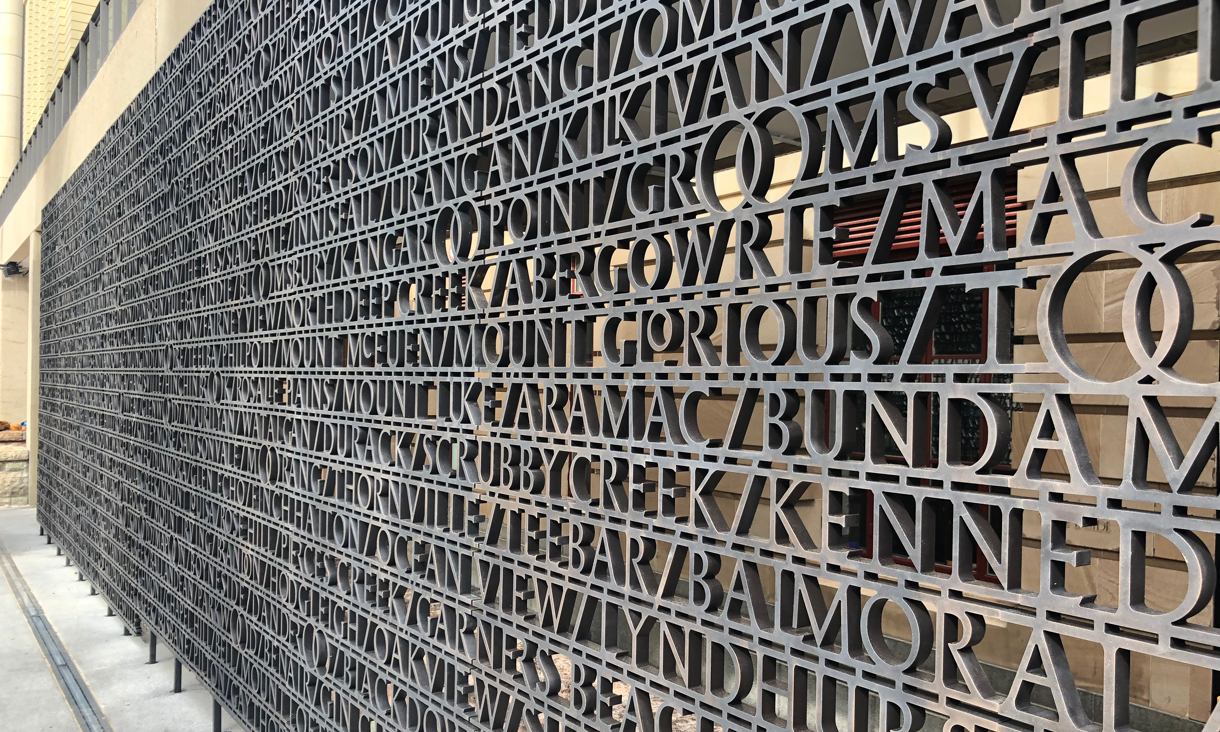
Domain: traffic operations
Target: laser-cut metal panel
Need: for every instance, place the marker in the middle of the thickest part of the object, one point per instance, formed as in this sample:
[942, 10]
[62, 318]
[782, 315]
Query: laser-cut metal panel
[531, 365]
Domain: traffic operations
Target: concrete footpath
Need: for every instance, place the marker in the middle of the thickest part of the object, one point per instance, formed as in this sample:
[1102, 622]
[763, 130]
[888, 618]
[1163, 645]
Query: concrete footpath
[128, 693]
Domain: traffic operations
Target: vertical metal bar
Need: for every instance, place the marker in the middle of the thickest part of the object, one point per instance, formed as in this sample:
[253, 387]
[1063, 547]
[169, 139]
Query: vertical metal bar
[1214, 698]
[152, 646]
[215, 716]
[1215, 695]
[177, 676]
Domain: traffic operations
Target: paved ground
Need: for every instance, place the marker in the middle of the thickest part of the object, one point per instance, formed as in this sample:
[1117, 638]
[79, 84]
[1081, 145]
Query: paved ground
[133, 696]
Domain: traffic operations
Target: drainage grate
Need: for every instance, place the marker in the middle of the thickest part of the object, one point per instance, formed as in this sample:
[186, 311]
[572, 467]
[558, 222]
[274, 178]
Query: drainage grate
[88, 713]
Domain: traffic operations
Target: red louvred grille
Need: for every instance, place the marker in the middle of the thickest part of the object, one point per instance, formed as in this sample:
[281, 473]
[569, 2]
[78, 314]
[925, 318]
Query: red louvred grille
[862, 216]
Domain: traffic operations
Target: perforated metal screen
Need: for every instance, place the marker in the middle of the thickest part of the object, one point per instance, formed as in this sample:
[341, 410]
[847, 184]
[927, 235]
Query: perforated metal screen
[638, 365]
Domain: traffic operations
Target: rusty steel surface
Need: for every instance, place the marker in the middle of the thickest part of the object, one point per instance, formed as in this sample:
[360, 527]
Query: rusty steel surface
[531, 365]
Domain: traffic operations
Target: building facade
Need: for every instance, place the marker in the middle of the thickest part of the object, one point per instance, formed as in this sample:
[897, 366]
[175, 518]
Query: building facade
[726, 365]
[53, 29]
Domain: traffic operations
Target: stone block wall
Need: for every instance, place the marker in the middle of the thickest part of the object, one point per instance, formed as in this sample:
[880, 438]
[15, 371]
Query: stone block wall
[14, 470]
